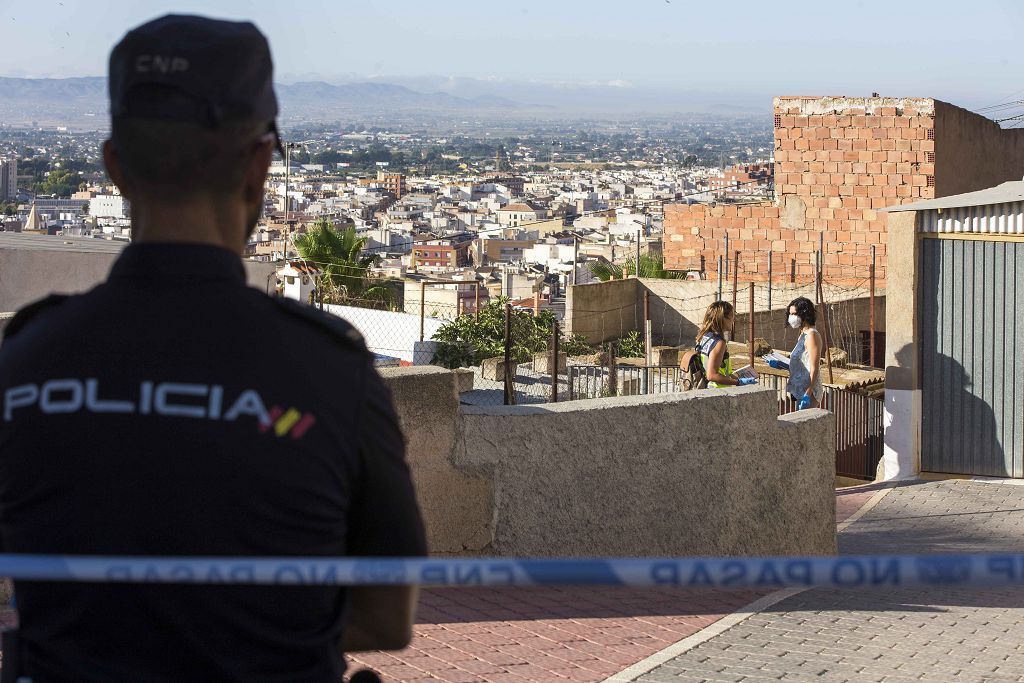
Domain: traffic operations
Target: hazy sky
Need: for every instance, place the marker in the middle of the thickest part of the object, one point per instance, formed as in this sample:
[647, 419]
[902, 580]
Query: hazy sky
[967, 52]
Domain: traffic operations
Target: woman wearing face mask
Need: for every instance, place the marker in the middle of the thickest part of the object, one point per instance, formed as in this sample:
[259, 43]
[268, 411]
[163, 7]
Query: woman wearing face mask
[718, 319]
[805, 361]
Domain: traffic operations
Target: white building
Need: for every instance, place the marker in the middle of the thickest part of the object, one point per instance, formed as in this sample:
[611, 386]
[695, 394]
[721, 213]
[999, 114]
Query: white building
[298, 280]
[518, 214]
[109, 206]
[549, 255]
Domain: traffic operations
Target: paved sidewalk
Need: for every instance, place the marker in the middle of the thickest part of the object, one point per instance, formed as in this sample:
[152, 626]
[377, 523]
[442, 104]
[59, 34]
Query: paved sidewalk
[546, 634]
[892, 634]
[552, 634]
[566, 633]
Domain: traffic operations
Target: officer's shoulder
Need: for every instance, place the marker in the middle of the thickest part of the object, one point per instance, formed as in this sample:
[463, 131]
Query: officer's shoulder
[340, 330]
[31, 312]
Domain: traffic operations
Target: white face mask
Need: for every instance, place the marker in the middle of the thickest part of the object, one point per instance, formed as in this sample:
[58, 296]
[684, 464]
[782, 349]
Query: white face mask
[794, 321]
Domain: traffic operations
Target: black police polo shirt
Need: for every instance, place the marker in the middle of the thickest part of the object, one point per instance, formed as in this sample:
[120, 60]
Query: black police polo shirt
[173, 410]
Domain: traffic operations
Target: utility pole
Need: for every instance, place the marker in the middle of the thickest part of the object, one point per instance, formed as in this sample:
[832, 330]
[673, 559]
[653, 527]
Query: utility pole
[575, 255]
[287, 200]
[287, 178]
[638, 235]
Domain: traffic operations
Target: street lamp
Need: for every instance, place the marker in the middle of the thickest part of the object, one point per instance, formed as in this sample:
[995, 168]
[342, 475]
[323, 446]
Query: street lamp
[639, 233]
[287, 199]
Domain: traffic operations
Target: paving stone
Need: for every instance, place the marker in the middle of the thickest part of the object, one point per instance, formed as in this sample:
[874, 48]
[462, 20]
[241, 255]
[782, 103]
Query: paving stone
[892, 633]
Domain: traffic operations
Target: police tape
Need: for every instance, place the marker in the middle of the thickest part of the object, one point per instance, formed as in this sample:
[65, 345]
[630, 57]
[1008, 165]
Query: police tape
[988, 570]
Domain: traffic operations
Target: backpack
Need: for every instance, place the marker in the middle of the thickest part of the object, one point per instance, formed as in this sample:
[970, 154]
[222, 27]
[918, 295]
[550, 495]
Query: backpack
[692, 370]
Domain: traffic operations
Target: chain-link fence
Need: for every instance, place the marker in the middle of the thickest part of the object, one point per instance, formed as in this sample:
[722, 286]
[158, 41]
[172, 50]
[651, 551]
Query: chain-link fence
[623, 336]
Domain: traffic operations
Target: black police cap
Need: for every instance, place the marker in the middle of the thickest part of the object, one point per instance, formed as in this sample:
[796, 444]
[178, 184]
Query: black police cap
[195, 70]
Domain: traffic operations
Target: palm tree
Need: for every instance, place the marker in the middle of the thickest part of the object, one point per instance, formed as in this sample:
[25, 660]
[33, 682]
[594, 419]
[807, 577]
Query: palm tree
[338, 254]
[651, 265]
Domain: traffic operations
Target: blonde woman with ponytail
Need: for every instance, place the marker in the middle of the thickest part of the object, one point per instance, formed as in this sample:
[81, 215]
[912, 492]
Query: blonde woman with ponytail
[714, 354]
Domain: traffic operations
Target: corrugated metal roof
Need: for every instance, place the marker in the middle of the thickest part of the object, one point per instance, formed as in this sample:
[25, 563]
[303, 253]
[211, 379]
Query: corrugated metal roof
[992, 219]
[1007, 193]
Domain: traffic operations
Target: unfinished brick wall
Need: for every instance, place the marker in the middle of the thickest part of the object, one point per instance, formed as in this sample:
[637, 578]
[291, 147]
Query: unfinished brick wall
[838, 161]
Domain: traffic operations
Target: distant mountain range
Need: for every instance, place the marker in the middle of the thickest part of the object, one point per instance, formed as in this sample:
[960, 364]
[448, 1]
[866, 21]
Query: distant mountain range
[82, 102]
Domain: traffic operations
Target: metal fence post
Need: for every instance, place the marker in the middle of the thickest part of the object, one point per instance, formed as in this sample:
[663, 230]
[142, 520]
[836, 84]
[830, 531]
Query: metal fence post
[871, 328]
[751, 326]
[823, 310]
[644, 381]
[735, 287]
[423, 305]
[613, 380]
[509, 386]
[735, 278]
[553, 367]
[719, 278]
[726, 257]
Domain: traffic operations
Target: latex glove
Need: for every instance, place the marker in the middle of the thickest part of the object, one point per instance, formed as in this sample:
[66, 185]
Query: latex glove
[805, 402]
[747, 381]
[778, 364]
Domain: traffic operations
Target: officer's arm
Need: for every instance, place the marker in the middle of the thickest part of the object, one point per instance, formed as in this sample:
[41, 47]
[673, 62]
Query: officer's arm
[380, 618]
[385, 521]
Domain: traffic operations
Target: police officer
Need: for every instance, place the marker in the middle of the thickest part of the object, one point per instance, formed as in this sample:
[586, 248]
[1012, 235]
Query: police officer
[173, 410]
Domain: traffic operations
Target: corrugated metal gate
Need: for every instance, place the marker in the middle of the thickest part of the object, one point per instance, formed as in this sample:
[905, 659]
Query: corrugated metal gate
[972, 373]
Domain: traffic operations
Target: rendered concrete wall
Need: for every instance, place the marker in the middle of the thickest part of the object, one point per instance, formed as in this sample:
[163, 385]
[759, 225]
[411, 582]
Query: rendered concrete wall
[648, 475]
[902, 456]
[973, 152]
[604, 310]
[677, 309]
[625, 476]
[457, 503]
[30, 274]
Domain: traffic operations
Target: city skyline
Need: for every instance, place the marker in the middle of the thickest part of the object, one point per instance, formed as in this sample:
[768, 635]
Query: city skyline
[905, 49]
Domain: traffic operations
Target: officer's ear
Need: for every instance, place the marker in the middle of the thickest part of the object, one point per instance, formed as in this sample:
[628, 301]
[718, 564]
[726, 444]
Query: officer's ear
[256, 172]
[112, 162]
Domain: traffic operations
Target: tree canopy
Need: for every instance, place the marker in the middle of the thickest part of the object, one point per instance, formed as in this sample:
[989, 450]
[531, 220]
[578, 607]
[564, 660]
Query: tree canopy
[339, 255]
[471, 338]
[651, 266]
